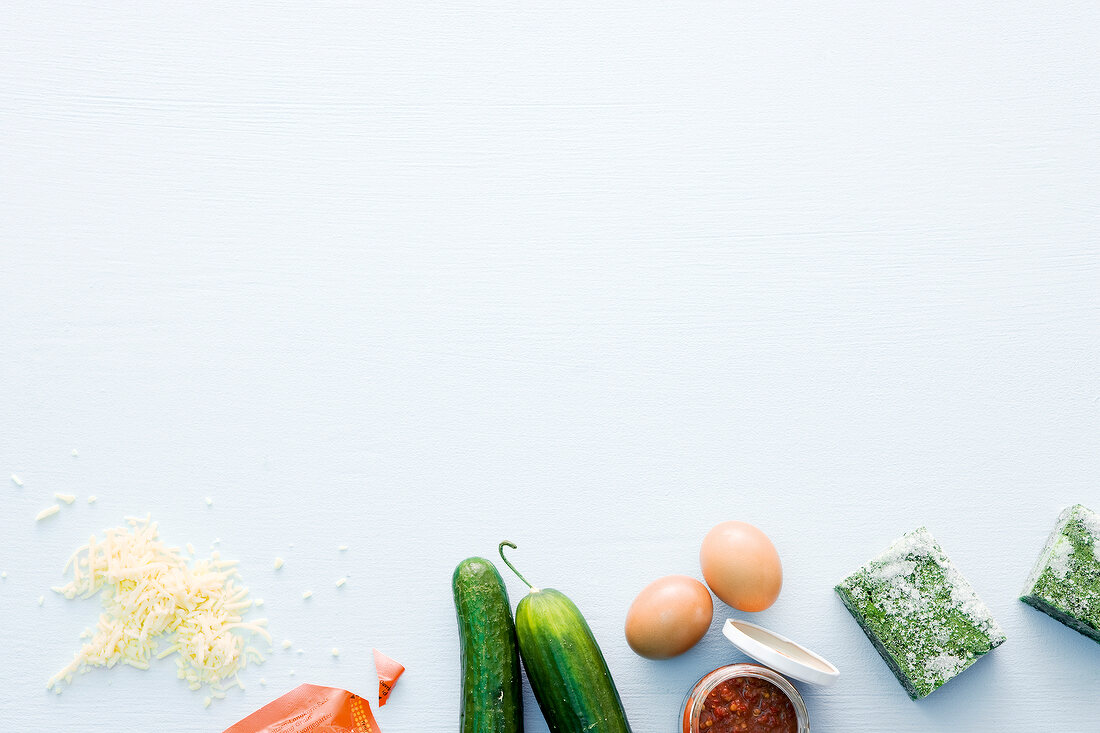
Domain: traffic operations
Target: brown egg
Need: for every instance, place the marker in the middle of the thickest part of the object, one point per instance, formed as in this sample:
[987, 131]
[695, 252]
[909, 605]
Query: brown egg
[668, 617]
[741, 566]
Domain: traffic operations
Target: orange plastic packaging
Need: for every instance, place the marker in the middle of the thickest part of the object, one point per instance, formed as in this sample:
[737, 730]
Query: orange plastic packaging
[311, 708]
[388, 672]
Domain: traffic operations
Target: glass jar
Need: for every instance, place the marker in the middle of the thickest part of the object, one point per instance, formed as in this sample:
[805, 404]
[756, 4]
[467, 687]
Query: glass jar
[693, 703]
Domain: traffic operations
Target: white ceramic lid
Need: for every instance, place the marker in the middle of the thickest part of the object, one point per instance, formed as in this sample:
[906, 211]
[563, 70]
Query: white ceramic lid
[780, 653]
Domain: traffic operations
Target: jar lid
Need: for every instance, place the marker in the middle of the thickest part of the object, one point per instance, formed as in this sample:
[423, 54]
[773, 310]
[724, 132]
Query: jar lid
[780, 653]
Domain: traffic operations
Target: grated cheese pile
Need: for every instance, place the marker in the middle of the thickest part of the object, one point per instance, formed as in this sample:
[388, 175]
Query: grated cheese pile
[150, 593]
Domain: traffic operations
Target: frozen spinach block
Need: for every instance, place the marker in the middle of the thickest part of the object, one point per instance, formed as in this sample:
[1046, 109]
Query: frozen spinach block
[924, 619]
[1065, 582]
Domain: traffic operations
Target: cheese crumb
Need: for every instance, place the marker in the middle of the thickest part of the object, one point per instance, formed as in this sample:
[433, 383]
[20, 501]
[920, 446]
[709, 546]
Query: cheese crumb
[91, 499]
[47, 512]
[16, 480]
[4, 575]
[67, 498]
[342, 548]
[299, 651]
[258, 602]
[307, 594]
[149, 593]
[291, 673]
[335, 652]
[263, 682]
[75, 454]
[340, 582]
[209, 501]
[287, 644]
[278, 563]
[41, 600]
[206, 701]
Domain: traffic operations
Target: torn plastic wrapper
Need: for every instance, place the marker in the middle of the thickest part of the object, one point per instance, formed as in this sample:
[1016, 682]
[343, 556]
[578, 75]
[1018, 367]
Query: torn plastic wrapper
[388, 672]
[311, 708]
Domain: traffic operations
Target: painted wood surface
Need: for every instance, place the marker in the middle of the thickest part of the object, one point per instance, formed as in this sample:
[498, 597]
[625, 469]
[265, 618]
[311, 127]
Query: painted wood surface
[587, 277]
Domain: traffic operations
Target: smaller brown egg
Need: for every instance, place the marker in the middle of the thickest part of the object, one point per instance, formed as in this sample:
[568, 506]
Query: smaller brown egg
[741, 566]
[668, 617]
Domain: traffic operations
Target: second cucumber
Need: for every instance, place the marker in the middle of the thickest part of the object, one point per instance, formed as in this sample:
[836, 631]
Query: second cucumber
[564, 663]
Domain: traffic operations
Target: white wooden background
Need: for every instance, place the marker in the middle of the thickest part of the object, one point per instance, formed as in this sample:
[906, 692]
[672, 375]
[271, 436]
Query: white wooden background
[590, 277]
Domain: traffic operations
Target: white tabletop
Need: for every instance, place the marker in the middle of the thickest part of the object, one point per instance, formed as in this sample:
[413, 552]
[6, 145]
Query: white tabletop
[587, 278]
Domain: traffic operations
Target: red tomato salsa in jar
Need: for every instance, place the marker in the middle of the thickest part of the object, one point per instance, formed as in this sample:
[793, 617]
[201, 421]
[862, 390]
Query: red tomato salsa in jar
[744, 698]
[747, 704]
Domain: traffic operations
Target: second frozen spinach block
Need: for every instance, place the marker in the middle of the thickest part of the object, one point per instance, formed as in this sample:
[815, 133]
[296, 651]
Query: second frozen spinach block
[1065, 582]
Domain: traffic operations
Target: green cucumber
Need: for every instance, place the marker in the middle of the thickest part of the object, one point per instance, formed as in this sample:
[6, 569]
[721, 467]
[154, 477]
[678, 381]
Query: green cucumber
[564, 663]
[492, 698]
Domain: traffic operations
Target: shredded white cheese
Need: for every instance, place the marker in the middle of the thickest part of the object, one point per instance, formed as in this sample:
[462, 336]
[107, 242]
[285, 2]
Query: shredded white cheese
[307, 595]
[278, 563]
[67, 498]
[340, 582]
[287, 644]
[47, 512]
[151, 593]
[41, 600]
[16, 480]
[91, 499]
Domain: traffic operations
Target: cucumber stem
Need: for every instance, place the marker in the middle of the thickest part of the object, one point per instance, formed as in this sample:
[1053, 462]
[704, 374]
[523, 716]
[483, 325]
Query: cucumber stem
[500, 549]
